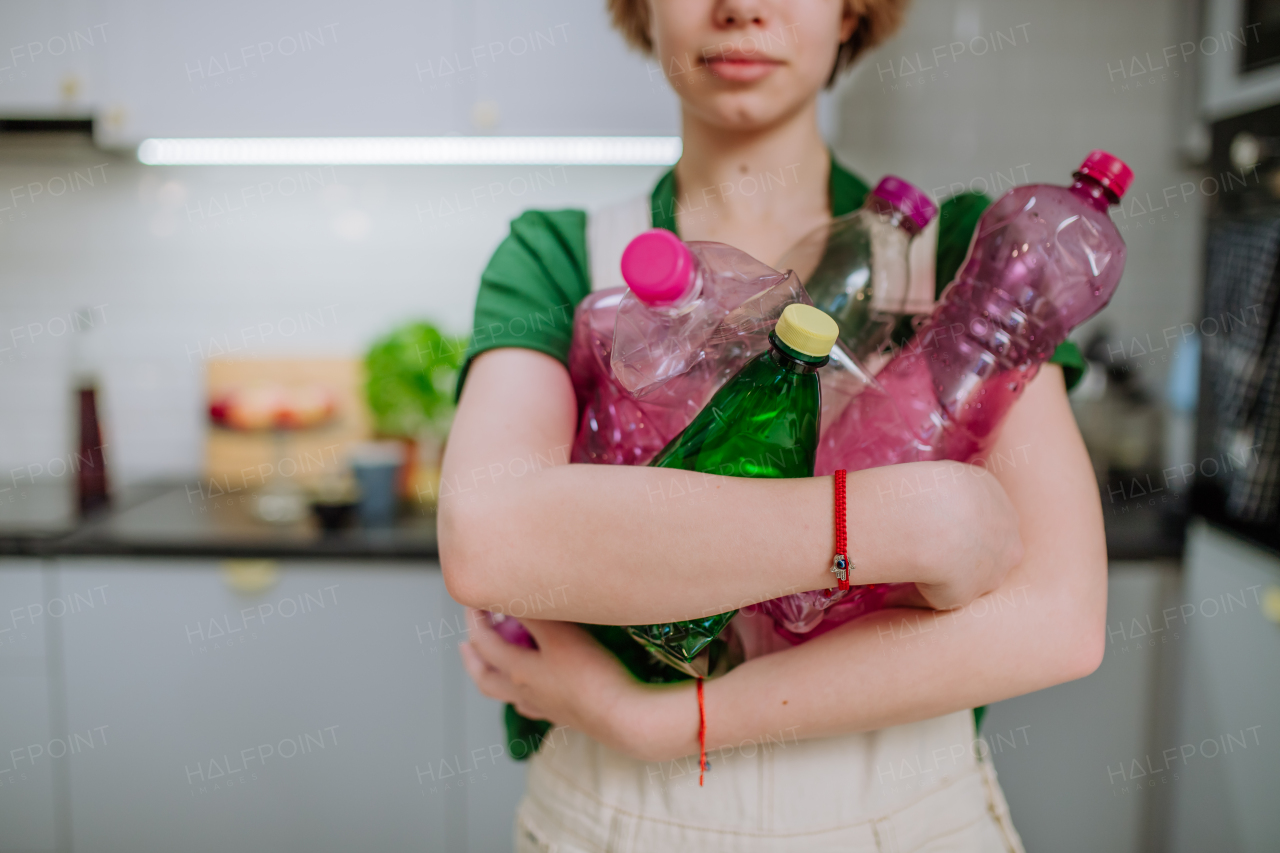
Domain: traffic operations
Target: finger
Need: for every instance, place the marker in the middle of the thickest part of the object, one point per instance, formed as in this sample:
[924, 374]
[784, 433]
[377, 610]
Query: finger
[490, 681]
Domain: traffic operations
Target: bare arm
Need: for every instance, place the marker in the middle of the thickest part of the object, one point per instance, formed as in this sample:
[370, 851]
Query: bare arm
[1042, 626]
[623, 545]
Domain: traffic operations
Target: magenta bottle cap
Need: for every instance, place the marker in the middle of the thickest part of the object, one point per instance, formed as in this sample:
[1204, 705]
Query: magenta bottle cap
[907, 198]
[1108, 170]
[658, 268]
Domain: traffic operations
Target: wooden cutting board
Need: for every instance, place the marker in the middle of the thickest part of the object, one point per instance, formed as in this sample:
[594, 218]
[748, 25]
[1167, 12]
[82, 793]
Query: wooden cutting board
[239, 462]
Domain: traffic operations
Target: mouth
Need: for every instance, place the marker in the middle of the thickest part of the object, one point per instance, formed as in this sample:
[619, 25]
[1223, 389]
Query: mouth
[740, 67]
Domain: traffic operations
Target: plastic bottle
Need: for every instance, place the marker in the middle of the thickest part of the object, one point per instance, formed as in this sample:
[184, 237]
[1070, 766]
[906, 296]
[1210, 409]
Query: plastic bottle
[691, 304]
[510, 629]
[762, 423]
[680, 355]
[867, 270]
[614, 427]
[692, 315]
[1044, 259]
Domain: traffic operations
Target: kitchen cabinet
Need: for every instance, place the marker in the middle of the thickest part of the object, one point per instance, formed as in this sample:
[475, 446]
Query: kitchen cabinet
[382, 68]
[1221, 770]
[32, 744]
[1056, 751]
[312, 714]
[577, 77]
[52, 57]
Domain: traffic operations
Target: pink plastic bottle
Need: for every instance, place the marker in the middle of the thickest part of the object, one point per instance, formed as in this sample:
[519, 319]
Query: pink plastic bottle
[690, 317]
[1044, 259]
[511, 629]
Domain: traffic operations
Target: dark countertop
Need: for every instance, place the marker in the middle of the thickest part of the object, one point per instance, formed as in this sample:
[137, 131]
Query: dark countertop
[172, 520]
[167, 519]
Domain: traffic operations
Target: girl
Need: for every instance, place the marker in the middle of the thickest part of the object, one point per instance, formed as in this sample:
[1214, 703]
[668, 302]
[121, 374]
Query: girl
[861, 739]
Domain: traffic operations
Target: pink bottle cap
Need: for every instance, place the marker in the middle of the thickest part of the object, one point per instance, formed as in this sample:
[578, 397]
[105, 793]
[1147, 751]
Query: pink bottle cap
[658, 267]
[908, 198]
[1108, 170]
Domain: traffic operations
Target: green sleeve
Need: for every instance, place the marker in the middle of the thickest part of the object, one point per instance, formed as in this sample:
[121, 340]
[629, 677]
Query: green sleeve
[533, 282]
[957, 220]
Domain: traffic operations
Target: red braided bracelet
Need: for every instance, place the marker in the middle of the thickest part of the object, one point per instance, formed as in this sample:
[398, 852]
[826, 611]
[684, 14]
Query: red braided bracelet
[702, 734]
[840, 565]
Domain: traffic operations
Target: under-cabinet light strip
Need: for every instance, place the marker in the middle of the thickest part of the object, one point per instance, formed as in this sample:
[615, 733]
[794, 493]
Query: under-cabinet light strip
[416, 150]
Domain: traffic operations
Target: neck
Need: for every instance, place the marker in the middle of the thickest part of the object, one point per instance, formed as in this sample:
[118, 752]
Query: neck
[736, 179]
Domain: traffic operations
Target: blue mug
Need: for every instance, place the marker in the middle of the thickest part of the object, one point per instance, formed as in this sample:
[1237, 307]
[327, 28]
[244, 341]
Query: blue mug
[376, 467]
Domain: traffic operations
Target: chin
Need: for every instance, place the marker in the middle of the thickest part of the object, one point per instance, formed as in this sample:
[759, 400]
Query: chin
[747, 111]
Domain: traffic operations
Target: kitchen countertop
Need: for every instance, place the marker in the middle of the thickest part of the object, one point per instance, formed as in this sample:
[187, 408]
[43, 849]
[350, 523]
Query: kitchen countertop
[168, 519]
[174, 520]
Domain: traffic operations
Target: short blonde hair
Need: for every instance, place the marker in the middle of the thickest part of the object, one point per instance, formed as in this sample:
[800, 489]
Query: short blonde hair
[877, 20]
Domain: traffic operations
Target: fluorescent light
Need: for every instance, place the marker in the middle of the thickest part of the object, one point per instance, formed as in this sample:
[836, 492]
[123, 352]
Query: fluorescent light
[416, 150]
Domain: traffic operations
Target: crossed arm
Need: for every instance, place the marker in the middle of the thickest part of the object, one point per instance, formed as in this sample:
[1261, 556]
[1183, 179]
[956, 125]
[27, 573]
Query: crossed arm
[1010, 558]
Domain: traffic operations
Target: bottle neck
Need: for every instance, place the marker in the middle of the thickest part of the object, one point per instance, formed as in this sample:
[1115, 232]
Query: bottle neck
[1094, 192]
[893, 215]
[691, 291]
[790, 360]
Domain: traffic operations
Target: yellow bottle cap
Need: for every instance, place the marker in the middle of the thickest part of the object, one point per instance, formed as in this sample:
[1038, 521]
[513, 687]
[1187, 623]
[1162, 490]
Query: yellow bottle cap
[807, 330]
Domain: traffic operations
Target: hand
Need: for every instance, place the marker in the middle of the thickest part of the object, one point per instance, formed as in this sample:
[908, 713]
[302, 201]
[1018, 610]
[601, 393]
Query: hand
[573, 681]
[973, 540]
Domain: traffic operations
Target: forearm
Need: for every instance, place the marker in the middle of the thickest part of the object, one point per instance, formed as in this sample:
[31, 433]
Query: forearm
[522, 530]
[636, 545]
[900, 666]
[1043, 625]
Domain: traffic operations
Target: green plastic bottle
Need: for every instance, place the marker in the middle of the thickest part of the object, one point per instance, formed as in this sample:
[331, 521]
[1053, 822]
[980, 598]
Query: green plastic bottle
[763, 422]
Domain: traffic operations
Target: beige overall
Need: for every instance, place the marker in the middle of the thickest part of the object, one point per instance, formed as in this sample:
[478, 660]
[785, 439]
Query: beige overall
[918, 787]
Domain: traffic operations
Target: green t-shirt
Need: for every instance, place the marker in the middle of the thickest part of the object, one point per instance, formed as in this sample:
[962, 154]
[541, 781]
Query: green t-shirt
[539, 274]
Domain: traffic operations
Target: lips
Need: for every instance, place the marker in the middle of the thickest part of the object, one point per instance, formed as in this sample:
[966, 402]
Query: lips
[741, 68]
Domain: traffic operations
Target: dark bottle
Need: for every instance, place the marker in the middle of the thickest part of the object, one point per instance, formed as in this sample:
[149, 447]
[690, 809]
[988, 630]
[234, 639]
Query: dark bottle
[90, 463]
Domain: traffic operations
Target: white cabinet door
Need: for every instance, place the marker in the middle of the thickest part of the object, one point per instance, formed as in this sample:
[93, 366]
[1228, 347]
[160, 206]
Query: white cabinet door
[33, 747]
[1222, 764]
[244, 68]
[557, 68]
[292, 718]
[489, 782]
[51, 57]
[379, 68]
[1066, 752]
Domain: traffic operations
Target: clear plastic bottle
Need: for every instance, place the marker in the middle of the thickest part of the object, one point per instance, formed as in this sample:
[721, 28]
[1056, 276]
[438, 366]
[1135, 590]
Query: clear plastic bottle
[1043, 260]
[867, 269]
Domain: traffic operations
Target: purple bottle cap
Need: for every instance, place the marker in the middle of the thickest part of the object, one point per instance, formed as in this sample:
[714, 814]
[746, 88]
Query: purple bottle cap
[658, 267]
[1108, 170]
[907, 198]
